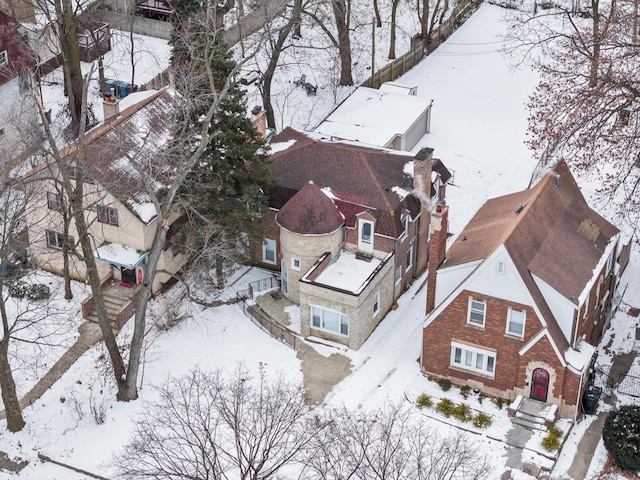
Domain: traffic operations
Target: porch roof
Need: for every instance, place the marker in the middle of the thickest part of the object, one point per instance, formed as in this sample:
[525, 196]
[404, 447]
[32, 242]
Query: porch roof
[120, 255]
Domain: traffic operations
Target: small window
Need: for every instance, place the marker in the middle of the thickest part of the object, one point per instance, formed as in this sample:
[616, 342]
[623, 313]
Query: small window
[54, 201]
[269, 251]
[515, 322]
[295, 264]
[405, 225]
[409, 258]
[4, 59]
[75, 173]
[500, 268]
[376, 304]
[365, 232]
[107, 215]
[56, 240]
[284, 278]
[476, 313]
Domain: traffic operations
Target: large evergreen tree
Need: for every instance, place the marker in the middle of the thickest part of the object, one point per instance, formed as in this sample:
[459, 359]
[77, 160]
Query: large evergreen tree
[222, 194]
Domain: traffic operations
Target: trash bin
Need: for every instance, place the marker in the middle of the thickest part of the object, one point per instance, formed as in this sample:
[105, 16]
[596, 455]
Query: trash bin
[590, 399]
[124, 89]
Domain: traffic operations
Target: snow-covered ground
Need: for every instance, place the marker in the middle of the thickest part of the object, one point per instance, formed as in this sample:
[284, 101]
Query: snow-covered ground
[478, 127]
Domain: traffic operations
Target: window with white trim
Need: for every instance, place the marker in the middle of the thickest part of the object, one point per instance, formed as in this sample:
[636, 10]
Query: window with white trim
[405, 225]
[365, 235]
[107, 215]
[56, 239]
[409, 258]
[328, 319]
[295, 264]
[515, 322]
[376, 304]
[269, 251]
[477, 312]
[284, 277]
[54, 201]
[475, 359]
[609, 263]
[4, 58]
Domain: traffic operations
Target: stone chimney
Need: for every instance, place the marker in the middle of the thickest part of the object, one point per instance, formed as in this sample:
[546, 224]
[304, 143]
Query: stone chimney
[259, 120]
[438, 231]
[110, 105]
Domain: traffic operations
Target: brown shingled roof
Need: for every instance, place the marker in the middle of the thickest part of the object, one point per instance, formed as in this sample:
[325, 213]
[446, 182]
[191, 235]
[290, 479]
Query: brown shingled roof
[311, 212]
[549, 231]
[360, 178]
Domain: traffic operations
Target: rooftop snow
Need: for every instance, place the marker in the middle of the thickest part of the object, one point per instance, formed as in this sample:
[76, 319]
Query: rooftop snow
[119, 254]
[347, 272]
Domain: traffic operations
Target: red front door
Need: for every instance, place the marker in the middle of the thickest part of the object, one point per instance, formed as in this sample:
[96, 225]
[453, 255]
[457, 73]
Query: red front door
[539, 384]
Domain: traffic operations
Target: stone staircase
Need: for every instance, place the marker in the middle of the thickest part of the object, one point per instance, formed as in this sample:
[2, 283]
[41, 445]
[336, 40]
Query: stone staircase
[532, 414]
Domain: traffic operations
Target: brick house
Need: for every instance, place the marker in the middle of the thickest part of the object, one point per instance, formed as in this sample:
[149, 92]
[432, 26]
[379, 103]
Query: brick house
[119, 210]
[347, 227]
[519, 302]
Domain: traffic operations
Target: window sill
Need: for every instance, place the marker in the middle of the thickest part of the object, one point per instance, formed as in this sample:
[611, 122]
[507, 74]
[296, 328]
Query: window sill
[471, 371]
[475, 326]
[513, 336]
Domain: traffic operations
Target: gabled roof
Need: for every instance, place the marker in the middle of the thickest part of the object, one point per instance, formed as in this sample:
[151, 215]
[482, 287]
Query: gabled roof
[374, 117]
[548, 230]
[357, 178]
[310, 212]
[19, 53]
[139, 134]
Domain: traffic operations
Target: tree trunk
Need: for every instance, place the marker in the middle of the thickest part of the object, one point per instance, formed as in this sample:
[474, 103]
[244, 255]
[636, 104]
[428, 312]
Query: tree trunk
[392, 41]
[267, 78]
[71, 54]
[15, 421]
[68, 294]
[376, 10]
[130, 390]
[341, 13]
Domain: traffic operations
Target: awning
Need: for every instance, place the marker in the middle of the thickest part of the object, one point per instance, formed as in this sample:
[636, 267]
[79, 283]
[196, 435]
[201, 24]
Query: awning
[120, 255]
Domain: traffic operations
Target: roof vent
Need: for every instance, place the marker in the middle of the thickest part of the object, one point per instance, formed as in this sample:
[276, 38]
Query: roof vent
[557, 180]
[519, 208]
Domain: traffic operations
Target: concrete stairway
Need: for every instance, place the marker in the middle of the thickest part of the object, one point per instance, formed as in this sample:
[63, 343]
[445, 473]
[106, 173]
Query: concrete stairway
[532, 414]
[115, 299]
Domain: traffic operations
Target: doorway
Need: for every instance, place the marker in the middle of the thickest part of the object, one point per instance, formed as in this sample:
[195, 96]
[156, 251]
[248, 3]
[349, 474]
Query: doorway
[128, 275]
[539, 384]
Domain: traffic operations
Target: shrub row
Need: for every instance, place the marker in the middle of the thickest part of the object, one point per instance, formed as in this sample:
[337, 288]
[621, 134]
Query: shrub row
[461, 411]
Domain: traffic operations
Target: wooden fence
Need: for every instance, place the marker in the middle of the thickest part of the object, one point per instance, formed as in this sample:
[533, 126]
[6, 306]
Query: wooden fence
[406, 62]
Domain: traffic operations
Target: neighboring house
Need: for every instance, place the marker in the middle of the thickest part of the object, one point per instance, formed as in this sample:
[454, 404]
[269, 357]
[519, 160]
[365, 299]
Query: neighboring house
[19, 129]
[384, 118]
[519, 302]
[347, 227]
[119, 209]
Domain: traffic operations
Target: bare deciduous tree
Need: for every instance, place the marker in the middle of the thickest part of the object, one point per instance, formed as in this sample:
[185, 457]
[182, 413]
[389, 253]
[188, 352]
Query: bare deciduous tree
[390, 444]
[206, 427]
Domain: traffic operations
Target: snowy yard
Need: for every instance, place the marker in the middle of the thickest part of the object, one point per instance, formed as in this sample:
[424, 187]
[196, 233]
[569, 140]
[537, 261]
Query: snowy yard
[478, 127]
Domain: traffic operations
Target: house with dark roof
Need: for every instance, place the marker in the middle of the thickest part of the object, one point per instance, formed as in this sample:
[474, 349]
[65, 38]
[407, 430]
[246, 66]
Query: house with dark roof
[347, 228]
[124, 162]
[518, 303]
[19, 128]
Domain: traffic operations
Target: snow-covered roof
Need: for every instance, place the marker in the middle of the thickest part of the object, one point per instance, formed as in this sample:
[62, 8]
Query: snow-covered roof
[374, 117]
[118, 254]
[347, 272]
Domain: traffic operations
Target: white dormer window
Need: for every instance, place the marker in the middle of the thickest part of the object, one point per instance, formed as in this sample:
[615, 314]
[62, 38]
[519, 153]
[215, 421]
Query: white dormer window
[365, 235]
[4, 58]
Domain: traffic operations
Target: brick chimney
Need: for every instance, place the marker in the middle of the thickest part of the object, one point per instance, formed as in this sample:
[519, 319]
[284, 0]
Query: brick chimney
[438, 231]
[110, 105]
[422, 164]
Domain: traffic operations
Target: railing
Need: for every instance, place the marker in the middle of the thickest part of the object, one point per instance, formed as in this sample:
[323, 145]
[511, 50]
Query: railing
[260, 318]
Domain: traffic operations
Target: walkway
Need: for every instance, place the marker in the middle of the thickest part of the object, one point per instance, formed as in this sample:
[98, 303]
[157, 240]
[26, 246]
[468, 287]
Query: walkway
[90, 334]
